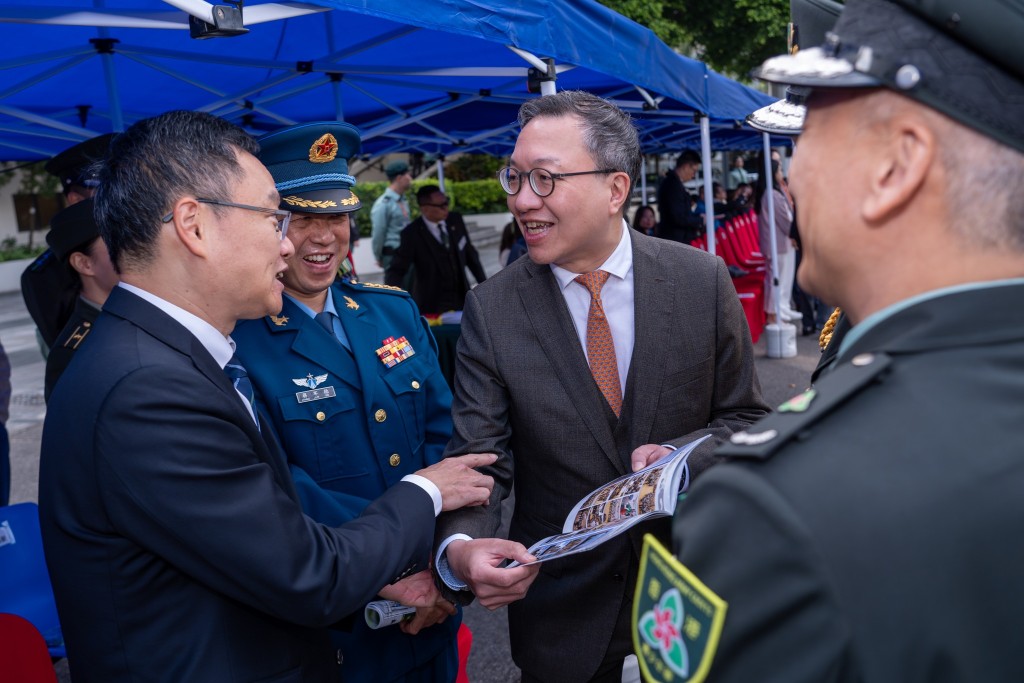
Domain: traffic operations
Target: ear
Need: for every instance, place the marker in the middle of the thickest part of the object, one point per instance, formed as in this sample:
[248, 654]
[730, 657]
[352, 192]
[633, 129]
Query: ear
[907, 155]
[619, 186]
[81, 263]
[189, 226]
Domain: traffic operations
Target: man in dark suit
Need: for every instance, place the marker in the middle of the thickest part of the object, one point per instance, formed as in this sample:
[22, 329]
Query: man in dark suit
[675, 205]
[172, 530]
[436, 246]
[573, 389]
[868, 531]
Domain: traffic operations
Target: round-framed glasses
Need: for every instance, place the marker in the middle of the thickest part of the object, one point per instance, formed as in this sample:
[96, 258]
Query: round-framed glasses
[542, 181]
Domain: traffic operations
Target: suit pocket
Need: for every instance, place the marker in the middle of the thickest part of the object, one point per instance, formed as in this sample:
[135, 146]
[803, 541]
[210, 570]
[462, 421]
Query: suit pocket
[687, 389]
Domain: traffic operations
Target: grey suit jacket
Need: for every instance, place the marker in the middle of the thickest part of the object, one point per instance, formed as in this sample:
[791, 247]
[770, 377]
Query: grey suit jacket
[523, 387]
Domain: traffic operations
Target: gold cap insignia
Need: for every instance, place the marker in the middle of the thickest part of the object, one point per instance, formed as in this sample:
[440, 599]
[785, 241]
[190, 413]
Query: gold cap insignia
[280, 321]
[324, 149]
[351, 304]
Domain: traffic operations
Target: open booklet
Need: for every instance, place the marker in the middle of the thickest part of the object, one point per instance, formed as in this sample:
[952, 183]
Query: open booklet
[618, 505]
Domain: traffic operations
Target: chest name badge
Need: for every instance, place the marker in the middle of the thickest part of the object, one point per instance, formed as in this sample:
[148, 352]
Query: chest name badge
[394, 351]
[315, 393]
[677, 620]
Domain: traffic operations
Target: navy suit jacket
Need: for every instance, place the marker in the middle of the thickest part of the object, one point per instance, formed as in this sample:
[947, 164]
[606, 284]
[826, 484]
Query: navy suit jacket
[173, 534]
[367, 426]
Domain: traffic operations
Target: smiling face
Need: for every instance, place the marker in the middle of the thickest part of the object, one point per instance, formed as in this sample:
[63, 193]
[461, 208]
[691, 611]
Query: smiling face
[579, 224]
[250, 257]
[321, 242]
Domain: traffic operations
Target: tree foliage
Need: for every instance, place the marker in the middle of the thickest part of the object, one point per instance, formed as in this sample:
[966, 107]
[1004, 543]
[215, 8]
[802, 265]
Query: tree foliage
[732, 37]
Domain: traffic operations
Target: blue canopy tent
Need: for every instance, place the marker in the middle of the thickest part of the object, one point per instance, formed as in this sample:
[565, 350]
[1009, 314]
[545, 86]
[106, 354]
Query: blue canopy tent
[434, 76]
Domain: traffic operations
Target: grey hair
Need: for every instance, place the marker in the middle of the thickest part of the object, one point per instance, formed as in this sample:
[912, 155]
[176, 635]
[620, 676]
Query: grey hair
[609, 134]
[152, 165]
[985, 201]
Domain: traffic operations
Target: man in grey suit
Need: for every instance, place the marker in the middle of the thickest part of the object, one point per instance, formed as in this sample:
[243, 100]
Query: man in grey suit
[583, 388]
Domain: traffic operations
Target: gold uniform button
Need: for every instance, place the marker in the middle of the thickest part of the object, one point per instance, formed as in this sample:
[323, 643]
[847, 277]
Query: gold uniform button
[380, 415]
[395, 460]
[321, 416]
[415, 384]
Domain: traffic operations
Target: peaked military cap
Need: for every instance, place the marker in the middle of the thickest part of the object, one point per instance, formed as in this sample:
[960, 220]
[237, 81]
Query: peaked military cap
[395, 169]
[77, 165]
[309, 163]
[964, 58]
[810, 20]
[72, 229]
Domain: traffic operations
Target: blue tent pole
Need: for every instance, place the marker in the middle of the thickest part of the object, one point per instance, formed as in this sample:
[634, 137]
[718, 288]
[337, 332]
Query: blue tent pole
[339, 110]
[705, 160]
[107, 59]
[440, 171]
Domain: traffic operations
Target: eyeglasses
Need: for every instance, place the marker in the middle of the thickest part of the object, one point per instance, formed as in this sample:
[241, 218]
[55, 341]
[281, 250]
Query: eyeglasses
[283, 217]
[439, 205]
[541, 181]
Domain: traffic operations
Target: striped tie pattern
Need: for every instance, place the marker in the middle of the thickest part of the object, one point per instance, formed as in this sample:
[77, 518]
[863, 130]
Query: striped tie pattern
[600, 346]
[240, 379]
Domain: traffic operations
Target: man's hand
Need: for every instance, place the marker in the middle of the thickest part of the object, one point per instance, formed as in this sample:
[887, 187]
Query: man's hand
[477, 562]
[420, 592]
[647, 454]
[459, 483]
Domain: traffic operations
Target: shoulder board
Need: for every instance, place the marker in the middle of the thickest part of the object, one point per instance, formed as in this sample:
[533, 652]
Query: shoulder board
[794, 416]
[364, 286]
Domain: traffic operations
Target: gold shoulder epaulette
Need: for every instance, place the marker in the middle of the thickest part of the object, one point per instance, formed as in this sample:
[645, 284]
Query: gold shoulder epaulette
[374, 285]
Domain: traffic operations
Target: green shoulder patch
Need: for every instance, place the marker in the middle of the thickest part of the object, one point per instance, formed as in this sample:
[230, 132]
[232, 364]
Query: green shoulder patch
[677, 620]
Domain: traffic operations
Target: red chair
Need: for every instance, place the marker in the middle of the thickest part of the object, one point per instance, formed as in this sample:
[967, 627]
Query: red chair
[23, 654]
[465, 644]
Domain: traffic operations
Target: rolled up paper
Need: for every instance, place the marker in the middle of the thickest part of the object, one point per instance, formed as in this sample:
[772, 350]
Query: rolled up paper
[381, 613]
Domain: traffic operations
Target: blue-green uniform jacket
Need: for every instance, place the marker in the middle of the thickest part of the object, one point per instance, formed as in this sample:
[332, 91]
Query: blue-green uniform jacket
[353, 428]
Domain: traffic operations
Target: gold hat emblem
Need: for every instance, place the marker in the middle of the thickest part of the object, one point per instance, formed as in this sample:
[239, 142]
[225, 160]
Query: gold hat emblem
[324, 149]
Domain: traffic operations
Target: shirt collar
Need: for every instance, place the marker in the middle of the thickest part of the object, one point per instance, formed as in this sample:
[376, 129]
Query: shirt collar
[328, 304]
[220, 347]
[617, 264]
[860, 329]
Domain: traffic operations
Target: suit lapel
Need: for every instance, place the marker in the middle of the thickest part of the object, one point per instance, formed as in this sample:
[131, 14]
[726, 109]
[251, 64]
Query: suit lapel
[365, 339]
[545, 307]
[654, 292]
[167, 330]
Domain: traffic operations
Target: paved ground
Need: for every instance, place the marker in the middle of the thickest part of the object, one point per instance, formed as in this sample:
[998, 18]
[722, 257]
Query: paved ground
[490, 661]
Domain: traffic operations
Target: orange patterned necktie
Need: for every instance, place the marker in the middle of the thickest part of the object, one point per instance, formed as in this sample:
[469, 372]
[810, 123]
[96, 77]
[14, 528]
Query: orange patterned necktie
[600, 346]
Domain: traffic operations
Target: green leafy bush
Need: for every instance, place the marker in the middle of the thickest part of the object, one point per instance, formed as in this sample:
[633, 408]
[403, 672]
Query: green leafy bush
[10, 250]
[467, 197]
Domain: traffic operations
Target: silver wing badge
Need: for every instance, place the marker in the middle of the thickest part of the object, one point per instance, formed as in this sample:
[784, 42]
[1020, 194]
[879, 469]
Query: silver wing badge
[310, 381]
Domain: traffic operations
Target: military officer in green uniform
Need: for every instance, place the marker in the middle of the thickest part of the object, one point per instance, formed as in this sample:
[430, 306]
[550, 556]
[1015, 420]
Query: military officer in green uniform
[390, 213]
[870, 529]
[75, 240]
[348, 376]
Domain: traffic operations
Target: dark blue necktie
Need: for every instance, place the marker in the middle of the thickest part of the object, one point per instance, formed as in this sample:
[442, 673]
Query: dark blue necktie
[240, 380]
[326, 321]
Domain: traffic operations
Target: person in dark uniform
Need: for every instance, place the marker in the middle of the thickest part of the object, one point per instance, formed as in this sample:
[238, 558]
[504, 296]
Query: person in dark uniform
[371, 405]
[48, 285]
[868, 530]
[75, 239]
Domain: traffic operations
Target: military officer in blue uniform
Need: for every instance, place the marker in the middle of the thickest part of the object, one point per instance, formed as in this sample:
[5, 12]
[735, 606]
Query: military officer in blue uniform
[348, 376]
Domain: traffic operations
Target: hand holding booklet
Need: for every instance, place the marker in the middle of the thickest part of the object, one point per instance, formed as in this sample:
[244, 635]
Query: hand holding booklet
[618, 505]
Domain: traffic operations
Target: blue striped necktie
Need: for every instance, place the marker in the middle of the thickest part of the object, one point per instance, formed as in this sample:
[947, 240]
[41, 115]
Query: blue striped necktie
[240, 379]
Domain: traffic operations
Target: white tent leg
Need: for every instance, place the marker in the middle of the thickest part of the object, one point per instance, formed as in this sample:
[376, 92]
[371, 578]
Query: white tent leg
[709, 203]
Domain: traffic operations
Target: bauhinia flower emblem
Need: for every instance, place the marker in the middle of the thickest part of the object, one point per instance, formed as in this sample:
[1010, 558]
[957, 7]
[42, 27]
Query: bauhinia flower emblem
[662, 628]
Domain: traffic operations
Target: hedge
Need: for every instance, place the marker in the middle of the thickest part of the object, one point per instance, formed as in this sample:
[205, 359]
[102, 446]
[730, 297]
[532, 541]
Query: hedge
[467, 197]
